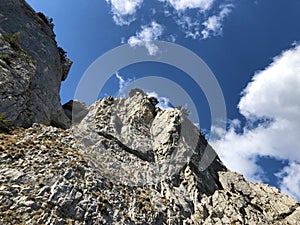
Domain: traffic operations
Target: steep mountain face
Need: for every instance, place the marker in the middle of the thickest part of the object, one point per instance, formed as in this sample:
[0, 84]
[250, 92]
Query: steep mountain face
[31, 66]
[127, 162]
[123, 161]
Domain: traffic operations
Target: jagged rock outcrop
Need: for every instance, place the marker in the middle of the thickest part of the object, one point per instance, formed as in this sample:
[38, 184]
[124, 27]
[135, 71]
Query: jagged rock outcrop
[117, 167]
[32, 67]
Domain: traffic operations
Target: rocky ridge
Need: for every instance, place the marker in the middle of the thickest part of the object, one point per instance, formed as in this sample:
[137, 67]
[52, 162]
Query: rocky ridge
[52, 176]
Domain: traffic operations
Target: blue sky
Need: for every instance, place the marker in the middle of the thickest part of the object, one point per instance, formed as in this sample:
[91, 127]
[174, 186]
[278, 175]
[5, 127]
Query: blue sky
[251, 46]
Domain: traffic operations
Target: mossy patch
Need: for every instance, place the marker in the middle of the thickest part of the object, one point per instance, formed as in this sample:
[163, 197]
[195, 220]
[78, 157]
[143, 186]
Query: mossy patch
[14, 41]
[6, 59]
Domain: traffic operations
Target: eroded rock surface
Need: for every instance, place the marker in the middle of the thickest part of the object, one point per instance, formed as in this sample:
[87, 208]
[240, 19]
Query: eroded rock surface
[102, 173]
[31, 66]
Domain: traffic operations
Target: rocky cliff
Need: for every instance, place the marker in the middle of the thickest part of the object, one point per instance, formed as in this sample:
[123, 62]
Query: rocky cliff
[124, 160]
[127, 162]
[31, 66]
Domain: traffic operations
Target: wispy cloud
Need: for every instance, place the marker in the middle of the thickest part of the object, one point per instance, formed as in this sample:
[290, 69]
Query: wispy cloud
[124, 10]
[213, 25]
[190, 26]
[146, 36]
[122, 82]
[271, 107]
[181, 5]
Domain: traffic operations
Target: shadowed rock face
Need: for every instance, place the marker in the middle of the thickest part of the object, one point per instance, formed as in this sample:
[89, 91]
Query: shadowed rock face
[31, 66]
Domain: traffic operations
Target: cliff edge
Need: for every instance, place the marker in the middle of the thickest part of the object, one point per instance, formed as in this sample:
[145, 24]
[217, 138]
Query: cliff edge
[32, 67]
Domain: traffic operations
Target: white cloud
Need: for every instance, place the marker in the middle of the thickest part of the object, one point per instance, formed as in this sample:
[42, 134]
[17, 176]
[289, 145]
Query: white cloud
[146, 36]
[164, 103]
[201, 21]
[290, 183]
[190, 26]
[171, 38]
[181, 5]
[271, 106]
[213, 25]
[196, 28]
[275, 91]
[122, 83]
[123, 10]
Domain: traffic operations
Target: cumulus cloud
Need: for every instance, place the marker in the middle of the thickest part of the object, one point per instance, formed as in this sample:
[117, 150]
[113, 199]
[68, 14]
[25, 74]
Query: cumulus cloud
[124, 10]
[213, 25]
[290, 183]
[197, 19]
[271, 107]
[146, 36]
[181, 5]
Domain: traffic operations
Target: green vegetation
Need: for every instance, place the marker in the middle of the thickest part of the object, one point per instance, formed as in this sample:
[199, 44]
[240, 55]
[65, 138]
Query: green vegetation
[14, 41]
[47, 20]
[6, 58]
[62, 54]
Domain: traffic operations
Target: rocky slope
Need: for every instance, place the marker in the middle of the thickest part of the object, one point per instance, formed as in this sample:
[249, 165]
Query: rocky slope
[31, 66]
[120, 165]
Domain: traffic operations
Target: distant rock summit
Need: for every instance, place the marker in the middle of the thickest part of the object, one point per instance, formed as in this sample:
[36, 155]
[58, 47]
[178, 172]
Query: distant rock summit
[123, 160]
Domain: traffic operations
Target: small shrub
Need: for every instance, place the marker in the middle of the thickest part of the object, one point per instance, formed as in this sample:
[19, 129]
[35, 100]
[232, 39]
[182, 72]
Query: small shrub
[62, 54]
[13, 40]
[47, 20]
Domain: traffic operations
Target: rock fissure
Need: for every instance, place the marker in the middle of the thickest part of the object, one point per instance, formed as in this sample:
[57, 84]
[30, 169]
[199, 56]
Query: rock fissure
[148, 156]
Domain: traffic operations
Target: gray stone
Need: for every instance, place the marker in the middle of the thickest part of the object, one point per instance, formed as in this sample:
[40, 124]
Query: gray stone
[31, 66]
[61, 183]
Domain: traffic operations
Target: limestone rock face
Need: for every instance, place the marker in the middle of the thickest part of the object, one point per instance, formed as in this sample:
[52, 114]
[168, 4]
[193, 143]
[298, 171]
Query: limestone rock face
[31, 66]
[127, 162]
